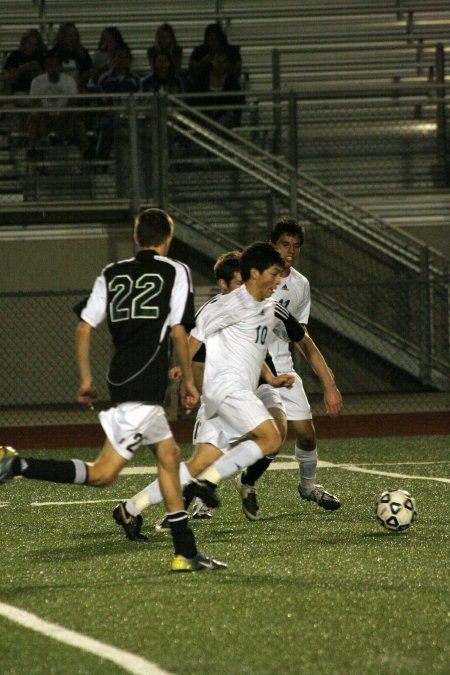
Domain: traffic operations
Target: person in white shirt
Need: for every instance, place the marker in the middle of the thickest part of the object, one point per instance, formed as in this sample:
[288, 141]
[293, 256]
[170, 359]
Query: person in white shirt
[66, 125]
[293, 292]
[237, 329]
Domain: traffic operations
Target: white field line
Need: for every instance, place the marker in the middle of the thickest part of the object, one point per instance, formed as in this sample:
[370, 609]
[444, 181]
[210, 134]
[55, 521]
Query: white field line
[126, 660]
[275, 466]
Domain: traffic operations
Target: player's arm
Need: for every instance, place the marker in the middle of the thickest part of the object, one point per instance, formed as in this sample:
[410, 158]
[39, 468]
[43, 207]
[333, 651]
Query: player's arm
[331, 394]
[86, 391]
[179, 338]
[283, 380]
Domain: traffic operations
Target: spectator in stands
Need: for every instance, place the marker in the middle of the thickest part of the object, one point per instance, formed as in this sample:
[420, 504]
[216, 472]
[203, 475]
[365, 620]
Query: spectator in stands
[214, 40]
[217, 78]
[25, 63]
[74, 57]
[120, 79]
[67, 126]
[165, 43]
[164, 76]
[110, 39]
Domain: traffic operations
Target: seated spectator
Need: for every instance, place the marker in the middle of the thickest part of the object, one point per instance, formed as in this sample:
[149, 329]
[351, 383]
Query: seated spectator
[68, 126]
[110, 39]
[24, 63]
[214, 40]
[119, 80]
[74, 57]
[165, 43]
[217, 78]
[164, 77]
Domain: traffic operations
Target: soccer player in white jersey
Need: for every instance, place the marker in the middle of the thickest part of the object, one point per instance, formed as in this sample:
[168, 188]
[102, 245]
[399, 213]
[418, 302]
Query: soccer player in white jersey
[147, 300]
[293, 293]
[237, 329]
[128, 514]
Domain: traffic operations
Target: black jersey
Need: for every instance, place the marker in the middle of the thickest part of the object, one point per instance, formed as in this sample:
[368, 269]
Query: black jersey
[142, 298]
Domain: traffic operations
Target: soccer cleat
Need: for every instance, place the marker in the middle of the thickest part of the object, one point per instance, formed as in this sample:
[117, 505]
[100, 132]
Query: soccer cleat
[199, 563]
[322, 498]
[7, 457]
[163, 524]
[200, 510]
[131, 524]
[250, 506]
[203, 489]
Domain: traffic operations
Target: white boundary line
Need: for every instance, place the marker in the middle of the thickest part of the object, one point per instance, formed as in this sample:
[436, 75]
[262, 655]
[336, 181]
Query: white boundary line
[126, 660]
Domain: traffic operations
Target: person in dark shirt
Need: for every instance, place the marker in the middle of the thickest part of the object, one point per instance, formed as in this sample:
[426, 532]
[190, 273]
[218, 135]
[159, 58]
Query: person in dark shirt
[165, 43]
[25, 63]
[163, 77]
[214, 81]
[147, 300]
[214, 40]
[120, 79]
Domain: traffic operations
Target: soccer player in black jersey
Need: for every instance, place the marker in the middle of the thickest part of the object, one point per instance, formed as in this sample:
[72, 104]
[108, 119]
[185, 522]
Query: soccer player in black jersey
[146, 300]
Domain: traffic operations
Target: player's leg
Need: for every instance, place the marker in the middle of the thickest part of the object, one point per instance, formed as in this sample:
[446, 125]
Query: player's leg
[300, 420]
[100, 473]
[246, 482]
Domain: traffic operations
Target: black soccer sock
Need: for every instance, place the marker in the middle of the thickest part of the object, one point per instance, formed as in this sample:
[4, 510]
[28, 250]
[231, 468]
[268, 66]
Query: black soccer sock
[256, 470]
[53, 470]
[182, 535]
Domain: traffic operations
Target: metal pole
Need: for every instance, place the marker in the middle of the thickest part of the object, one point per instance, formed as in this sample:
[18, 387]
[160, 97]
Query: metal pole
[441, 114]
[293, 152]
[425, 316]
[135, 197]
[163, 153]
[276, 84]
[154, 125]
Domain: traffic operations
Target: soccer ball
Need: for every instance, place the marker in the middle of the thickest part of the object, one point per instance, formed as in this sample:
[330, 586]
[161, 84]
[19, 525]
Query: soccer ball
[396, 510]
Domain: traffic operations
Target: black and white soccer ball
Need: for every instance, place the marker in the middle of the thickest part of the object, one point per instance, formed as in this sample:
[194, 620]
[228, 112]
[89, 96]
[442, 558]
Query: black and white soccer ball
[396, 510]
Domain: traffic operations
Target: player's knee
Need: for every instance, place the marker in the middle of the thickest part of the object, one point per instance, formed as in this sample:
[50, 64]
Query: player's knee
[99, 477]
[273, 442]
[307, 441]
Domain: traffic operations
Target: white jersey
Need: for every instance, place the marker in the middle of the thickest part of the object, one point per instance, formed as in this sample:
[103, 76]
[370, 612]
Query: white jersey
[293, 293]
[236, 330]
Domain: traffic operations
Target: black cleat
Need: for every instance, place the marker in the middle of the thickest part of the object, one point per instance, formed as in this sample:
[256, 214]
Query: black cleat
[131, 524]
[199, 563]
[249, 497]
[321, 497]
[203, 489]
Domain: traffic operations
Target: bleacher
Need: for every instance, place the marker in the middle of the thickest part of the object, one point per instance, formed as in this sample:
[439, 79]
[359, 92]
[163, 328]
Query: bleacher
[328, 52]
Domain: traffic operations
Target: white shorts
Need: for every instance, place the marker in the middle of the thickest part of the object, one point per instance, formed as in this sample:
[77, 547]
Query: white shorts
[238, 414]
[130, 425]
[295, 401]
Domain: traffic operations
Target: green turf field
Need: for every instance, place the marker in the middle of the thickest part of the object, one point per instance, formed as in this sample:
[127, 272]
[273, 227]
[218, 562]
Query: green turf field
[306, 591]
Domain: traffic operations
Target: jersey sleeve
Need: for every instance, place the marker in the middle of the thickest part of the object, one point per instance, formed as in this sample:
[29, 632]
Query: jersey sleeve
[182, 300]
[302, 315]
[94, 311]
[289, 326]
[215, 316]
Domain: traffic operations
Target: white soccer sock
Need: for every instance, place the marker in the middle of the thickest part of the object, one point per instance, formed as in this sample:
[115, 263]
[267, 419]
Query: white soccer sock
[241, 456]
[307, 460]
[152, 493]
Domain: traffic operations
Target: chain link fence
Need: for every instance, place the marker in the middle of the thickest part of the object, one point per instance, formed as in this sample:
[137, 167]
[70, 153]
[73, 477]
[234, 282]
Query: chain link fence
[39, 375]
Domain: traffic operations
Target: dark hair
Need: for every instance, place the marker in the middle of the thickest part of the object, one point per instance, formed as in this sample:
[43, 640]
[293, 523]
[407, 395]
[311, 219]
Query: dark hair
[165, 28]
[115, 33]
[216, 28]
[152, 227]
[260, 256]
[287, 225]
[227, 265]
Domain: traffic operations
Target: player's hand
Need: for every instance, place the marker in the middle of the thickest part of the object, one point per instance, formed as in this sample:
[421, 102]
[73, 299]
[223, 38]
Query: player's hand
[189, 396]
[333, 401]
[87, 396]
[175, 374]
[283, 380]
